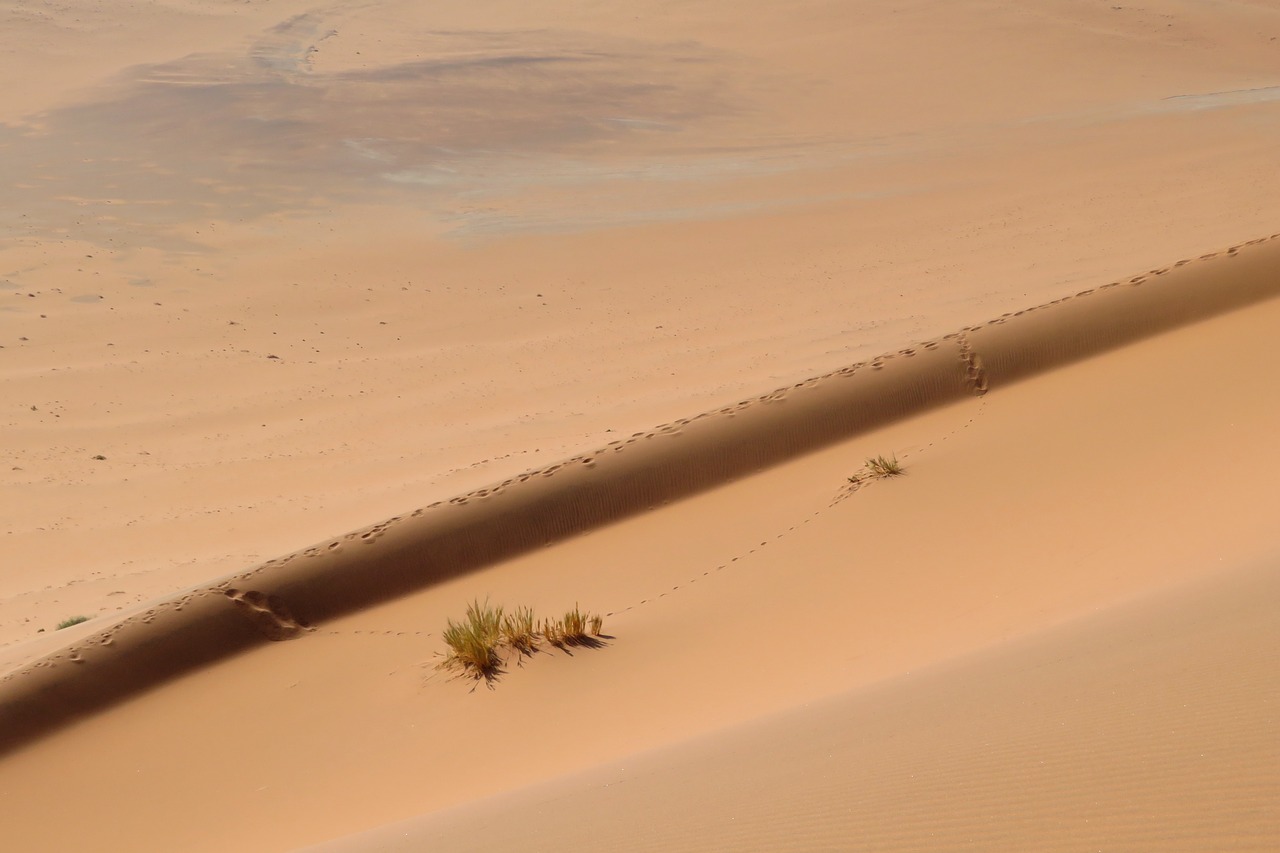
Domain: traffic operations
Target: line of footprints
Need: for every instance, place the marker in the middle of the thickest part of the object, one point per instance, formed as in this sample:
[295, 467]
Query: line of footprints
[848, 490]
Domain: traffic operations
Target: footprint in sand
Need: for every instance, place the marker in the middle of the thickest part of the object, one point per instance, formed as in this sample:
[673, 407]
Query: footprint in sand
[268, 613]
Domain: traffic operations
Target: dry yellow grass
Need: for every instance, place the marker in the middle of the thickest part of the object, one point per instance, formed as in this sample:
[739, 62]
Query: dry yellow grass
[519, 630]
[473, 643]
[879, 466]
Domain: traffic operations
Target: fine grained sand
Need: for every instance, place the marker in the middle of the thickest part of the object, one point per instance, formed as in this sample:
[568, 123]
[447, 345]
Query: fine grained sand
[1068, 740]
[314, 267]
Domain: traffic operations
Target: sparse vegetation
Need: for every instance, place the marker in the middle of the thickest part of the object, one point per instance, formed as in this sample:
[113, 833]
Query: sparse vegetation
[519, 631]
[882, 467]
[74, 620]
[575, 626]
[553, 632]
[876, 468]
[475, 643]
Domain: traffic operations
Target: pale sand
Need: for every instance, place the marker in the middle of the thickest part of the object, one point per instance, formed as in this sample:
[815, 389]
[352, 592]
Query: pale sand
[1145, 727]
[409, 214]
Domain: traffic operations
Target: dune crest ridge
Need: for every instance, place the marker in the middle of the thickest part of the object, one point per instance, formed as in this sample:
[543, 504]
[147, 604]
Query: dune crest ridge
[284, 598]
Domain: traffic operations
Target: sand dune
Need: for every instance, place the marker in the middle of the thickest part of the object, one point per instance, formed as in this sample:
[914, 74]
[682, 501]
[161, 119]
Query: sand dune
[430, 273]
[284, 597]
[210, 185]
[1144, 727]
[815, 590]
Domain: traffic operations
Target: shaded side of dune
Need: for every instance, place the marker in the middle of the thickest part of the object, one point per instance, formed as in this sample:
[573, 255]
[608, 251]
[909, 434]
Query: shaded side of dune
[281, 598]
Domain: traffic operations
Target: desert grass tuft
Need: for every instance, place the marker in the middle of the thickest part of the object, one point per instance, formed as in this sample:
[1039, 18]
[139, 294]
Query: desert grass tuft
[473, 643]
[575, 625]
[74, 620]
[553, 632]
[879, 466]
[519, 630]
[577, 628]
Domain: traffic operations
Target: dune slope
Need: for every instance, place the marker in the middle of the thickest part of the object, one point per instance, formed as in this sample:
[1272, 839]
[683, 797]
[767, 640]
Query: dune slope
[1148, 726]
[764, 590]
[294, 268]
[283, 597]
[320, 321]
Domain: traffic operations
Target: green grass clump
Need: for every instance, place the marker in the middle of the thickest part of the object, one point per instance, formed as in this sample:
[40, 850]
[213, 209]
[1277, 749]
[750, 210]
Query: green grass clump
[74, 620]
[473, 643]
[879, 466]
[519, 630]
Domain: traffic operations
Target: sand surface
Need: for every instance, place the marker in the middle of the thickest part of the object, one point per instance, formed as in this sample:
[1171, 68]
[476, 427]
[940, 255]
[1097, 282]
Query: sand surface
[318, 322]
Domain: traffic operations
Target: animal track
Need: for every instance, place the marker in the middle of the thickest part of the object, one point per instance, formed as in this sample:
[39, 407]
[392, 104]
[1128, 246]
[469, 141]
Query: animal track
[268, 613]
[855, 483]
[372, 633]
[975, 375]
